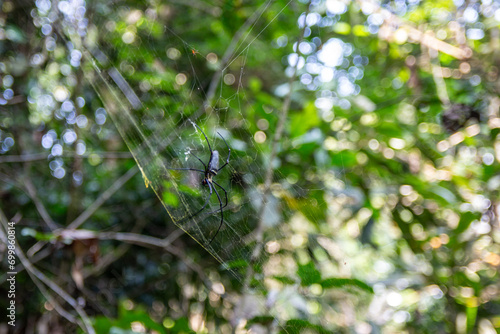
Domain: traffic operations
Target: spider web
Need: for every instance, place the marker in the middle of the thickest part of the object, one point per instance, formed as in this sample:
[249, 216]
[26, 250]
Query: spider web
[157, 119]
[164, 138]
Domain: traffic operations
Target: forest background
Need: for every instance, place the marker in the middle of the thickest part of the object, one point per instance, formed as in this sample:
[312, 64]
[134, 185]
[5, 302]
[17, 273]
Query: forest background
[362, 184]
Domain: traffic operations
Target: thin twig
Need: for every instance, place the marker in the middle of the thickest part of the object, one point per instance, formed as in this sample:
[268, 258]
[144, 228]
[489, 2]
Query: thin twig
[87, 325]
[11, 180]
[35, 248]
[97, 203]
[142, 240]
[30, 188]
[134, 238]
[23, 157]
[71, 318]
[119, 251]
[57, 289]
[19, 267]
[94, 206]
[67, 154]
[103, 198]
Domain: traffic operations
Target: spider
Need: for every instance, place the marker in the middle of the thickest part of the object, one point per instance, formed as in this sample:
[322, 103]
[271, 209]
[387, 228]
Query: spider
[211, 170]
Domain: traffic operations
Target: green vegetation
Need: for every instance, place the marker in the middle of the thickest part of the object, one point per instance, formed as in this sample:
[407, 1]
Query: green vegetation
[362, 187]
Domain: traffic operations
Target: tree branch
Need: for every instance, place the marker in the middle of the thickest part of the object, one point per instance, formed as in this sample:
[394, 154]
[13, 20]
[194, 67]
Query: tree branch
[142, 240]
[103, 198]
[87, 325]
[30, 188]
[134, 238]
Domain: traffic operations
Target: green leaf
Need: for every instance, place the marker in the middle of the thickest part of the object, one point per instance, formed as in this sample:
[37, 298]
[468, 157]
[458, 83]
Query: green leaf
[15, 34]
[342, 28]
[261, 319]
[466, 218]
[446, 195]
[181, 326]
[344, 159]
[360, 30]
[405, 229]
[189, 190]
[126, 317]
[304, 120]
[297, 326]
[345, 282]
[28, 231]
[255, 84]
[471, 312]
[314, 207]
[285, 280]
[170, 199]
[309, 274]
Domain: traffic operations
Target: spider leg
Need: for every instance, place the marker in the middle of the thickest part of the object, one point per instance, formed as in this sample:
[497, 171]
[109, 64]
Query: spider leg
[193, 169]
[228, 155]
[198, 159]
[221, 213]
[204, 135]
[206, 202]
[225, 193]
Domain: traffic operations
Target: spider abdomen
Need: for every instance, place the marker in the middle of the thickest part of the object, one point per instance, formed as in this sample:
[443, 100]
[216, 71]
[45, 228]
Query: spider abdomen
[213, 164]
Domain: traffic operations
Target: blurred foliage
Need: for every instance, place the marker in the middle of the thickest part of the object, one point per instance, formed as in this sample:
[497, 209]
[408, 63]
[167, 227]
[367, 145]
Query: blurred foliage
[386, 185]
